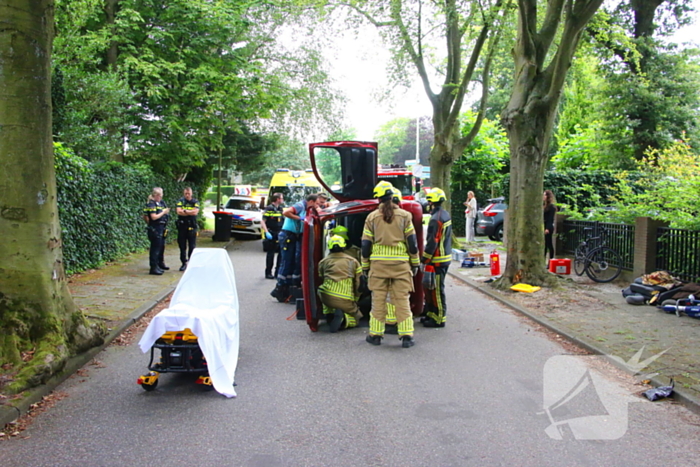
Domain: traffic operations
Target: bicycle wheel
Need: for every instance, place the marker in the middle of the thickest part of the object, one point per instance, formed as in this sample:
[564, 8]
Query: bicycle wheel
[603, 264]
[580, 260]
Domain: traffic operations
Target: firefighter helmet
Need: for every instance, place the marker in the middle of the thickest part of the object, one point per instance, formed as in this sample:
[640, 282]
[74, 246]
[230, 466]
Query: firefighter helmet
[436, 195]
[336, 241]
[383, 188]
[397, 195]
[341, 231]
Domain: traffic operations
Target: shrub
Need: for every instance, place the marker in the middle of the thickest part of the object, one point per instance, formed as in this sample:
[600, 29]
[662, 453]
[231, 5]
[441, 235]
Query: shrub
[100, 205]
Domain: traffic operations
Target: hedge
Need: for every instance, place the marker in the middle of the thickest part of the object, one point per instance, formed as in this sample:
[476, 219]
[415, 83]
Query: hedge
[100, 205]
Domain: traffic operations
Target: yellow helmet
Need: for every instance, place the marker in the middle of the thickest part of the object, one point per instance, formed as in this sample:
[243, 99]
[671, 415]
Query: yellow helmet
[383, 188]
[397, 195]
[336, 240]
[341, 231]
[436, 195]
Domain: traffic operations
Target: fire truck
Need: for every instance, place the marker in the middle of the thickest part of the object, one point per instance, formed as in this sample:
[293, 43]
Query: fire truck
[348, 171]
[399, 176]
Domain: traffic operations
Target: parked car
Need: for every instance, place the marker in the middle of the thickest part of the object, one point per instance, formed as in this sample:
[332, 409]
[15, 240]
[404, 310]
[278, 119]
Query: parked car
[247, 215]
[489, 220]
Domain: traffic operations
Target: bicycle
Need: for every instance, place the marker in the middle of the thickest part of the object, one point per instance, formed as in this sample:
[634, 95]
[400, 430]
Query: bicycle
[600, 262]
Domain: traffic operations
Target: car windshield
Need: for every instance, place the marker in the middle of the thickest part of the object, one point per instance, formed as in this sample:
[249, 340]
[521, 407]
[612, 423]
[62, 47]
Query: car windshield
[294, 194]
[403, 182]
[242, 205]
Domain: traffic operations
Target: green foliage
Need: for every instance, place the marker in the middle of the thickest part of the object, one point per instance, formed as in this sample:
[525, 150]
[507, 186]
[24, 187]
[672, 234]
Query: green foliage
[480, 168]
[579, 191]
[671, 178]
[100, 207]
[199, 75]
[288, 153]
[397, 140]
[92, 111]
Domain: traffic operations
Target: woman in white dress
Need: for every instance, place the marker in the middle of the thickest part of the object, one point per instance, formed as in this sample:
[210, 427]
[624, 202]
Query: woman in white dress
[470, 214]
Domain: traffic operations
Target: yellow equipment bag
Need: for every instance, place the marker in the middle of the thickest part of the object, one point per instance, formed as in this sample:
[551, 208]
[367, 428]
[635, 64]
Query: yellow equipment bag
[525, 288]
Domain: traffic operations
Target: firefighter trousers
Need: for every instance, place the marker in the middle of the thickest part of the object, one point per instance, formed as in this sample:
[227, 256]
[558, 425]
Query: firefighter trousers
[348, 307]
[399, 288]
[435, 305]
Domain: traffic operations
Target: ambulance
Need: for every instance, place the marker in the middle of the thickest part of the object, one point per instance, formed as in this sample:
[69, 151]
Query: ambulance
[294, 185]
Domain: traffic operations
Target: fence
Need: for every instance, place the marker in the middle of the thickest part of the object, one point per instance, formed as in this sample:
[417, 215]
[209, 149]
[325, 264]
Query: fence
[644, 247]
[619, 237]
[678, 251]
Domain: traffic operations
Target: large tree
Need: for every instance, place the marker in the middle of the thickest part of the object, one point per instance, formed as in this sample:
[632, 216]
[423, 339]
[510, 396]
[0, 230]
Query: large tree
[467, 32]
[37, 314]
[198, 71]
[651, 87]
[543, 53]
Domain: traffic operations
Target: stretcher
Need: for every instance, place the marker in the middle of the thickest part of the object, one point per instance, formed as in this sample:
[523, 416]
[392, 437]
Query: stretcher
[199, 332]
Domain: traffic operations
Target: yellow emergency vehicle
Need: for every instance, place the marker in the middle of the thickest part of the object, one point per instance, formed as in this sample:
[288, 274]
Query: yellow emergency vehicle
[294, 185]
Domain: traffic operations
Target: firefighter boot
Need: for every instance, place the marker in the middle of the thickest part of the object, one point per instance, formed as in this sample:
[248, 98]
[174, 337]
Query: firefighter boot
[373, 339]
[338, 318]
[407, 341]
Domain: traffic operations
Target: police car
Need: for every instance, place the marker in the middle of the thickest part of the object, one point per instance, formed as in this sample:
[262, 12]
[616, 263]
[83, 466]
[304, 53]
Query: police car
[246, 215]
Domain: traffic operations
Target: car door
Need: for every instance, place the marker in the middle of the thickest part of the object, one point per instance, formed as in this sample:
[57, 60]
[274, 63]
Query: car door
[346, 169]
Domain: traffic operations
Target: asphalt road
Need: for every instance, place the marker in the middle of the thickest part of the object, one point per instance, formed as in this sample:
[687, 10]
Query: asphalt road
[470, 394]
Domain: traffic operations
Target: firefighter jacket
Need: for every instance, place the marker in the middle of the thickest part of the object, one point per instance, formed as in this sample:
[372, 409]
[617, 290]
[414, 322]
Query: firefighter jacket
[389, 243]
[438, 246]
[341, 276]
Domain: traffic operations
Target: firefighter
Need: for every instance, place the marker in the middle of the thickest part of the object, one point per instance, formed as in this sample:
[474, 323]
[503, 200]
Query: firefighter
[437, 253]
[156, 213]
[390, 256]
[390, 308]
[351, 250]
[340, 288]
[187, 209]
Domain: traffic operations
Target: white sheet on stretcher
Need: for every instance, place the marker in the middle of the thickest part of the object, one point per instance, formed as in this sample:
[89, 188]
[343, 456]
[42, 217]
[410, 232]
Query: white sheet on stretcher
[205, 301]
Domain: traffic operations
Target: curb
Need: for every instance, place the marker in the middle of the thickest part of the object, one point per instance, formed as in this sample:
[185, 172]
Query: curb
[10, 413]
[679, 395]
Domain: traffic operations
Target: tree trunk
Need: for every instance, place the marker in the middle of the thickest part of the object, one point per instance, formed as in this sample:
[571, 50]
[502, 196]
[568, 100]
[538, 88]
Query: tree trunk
[525, 260]
[36, 309]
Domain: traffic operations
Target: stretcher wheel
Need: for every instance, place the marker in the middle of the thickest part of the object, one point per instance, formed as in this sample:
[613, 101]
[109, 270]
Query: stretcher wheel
[149, 387]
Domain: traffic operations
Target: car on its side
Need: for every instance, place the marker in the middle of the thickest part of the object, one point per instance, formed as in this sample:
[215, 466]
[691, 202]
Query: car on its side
[246, 215]
[489, 220]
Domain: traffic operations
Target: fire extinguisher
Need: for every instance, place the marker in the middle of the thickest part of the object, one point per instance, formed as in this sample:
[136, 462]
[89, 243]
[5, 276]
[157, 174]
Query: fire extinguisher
[495, 263]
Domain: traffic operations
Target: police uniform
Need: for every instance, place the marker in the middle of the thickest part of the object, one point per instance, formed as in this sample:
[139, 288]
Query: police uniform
[437, 253]
[273, 219]
[390, 265]
[157, 232]
[186, 229]
[341, 275]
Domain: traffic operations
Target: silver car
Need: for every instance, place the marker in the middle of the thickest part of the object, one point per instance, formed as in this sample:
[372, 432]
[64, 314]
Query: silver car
[489, 220]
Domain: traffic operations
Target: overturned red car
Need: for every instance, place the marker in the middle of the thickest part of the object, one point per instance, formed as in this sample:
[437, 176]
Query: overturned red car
[348, 171]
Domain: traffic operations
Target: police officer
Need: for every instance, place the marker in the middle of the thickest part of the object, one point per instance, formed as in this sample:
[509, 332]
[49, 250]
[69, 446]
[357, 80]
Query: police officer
[390, 255]
[157, 215]
[437, 253]
[272, 224]
[187, 209]
[339, 291]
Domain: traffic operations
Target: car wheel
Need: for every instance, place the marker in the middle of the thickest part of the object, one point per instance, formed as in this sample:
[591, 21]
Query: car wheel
[498, 236]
